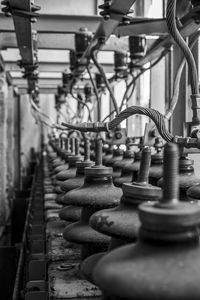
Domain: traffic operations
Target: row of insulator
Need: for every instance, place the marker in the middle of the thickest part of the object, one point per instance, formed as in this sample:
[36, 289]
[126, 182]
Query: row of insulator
[136, 239]
[137, 49]
[126, 164]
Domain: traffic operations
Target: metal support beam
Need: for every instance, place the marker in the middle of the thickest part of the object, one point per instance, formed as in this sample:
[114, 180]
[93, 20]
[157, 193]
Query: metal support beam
[60, 41]
[45, 41]
[44, 83]
[55, 23]
[117, 10]
[143, 26]
[189, 27]
[43, 90]
[52, 67]
[23, 29]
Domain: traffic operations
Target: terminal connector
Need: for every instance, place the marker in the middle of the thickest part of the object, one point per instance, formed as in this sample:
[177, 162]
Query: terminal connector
[89, 127]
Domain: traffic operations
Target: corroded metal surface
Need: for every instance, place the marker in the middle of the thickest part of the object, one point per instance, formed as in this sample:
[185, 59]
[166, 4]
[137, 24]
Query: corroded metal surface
[60, 250]
[69, 284]
[165, 260]
[55, 228]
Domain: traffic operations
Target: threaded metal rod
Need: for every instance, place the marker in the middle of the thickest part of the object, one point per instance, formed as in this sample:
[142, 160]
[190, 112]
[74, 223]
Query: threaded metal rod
[143, 174]
[77, 146]
[87, 149]
[67, 144]
[61, 143]
[98, 152]
[73, 145]
[170, 176]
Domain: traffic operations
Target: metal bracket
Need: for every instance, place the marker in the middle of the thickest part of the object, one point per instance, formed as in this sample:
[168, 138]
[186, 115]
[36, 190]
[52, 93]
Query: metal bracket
[36, 296]
[37, 270]
[37, 285]
[150, 134]
[116, 137]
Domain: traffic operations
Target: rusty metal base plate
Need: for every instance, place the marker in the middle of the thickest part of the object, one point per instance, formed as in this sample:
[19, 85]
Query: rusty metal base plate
[59, 249]
[55, 228]
[69, 284]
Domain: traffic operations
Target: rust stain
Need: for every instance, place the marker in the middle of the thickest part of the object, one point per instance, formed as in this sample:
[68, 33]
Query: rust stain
[103, 221]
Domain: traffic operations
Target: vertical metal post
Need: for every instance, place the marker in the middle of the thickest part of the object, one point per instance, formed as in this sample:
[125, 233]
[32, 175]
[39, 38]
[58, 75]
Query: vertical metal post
[169, 78]
[10, 144]
[17, 142]
[180, 113]
[3, 167]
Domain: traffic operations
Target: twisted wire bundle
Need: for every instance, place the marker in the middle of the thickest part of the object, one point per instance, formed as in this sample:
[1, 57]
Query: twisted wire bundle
[153, 114]
[171, 23]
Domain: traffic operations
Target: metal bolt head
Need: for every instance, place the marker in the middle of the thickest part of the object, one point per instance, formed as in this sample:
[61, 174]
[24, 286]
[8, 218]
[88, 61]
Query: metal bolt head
[33, 20]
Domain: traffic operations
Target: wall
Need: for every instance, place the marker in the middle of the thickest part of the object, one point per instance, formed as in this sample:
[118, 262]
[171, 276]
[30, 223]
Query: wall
[31, 128]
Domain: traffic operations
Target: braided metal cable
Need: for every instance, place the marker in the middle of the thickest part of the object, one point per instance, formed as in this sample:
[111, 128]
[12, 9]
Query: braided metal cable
[171, 24]
[177, 80]
[153, 114]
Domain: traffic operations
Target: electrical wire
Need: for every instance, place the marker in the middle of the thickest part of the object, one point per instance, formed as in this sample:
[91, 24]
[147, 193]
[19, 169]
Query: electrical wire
[98, 99]
[38, 118]
[108, 116]
[153, 114]
[177, 80]
[40, 111]
[133, 82]
[172, 26]
[102, 72]
[84, 104]
[41, 115]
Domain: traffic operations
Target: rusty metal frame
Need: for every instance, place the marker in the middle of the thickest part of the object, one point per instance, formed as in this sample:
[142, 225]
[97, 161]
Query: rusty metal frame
[24, 30]
[56, 23]
[146, 26]
[60, 41]
[117, 11]
[189, 27]
[24, 14]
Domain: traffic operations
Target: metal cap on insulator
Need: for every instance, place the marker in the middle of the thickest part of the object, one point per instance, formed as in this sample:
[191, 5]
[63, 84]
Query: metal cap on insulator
[195, 99]
[186, 165]
[169, 219]
[120, 62]
[81, 165]
[66, 76]
[157, 158]
[138, 155]
[72, 59]
[98, 169]
[141, 189]
[88, 92]
[100, 83]
[137, 46]
[129, 153]
[82, 40]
